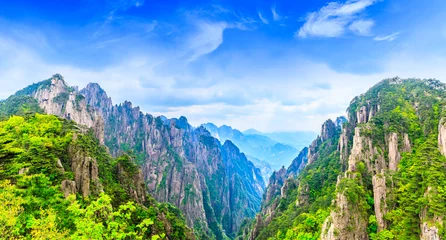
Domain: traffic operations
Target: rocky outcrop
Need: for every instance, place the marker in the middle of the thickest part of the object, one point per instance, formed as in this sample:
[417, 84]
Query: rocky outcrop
[275, 184]
[85, 169]
[131, 179]
[429, 225]
[328, 130]
[366, 112]
[298, 163]
[379, 196]
[394, 154]
[343, 146]
[362, 115]
[429, 232]
[68, 187]
[61, 100]
[312, 150]
[363, 150]
[345, 222]
[442, 136]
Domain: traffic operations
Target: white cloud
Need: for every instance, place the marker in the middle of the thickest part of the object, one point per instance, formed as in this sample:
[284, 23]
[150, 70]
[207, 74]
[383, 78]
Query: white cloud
[332, 19]
[206, 39]
[362, 27]
[276, 16]
[264, 20]
[389, 38]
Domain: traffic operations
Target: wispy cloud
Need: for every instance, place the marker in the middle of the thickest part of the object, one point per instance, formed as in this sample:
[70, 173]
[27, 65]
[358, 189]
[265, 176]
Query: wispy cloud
[333, 19]
[207, 39]
[113, 6]
[362, 27]
[276, 16]
[264, 20]
[389, 38]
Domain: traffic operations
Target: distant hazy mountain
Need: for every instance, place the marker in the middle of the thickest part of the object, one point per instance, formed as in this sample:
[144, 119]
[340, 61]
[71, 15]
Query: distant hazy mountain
[298, 139]
[255, 144]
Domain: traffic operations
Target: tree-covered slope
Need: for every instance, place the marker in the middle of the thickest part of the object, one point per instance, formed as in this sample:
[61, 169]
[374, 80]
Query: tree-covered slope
[58, 183]
[179, 164]
[381, 177]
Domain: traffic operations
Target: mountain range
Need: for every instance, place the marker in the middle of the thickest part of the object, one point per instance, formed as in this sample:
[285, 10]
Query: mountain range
[73, 165]
[212, 183]
[271, 148]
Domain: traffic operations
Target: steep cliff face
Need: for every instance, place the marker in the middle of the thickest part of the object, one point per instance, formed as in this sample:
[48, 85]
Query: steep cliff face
[389, 168]
[215, 186]
[243, 180]
[290, 189]
[61, 100]
[299, 163]
[60, 167]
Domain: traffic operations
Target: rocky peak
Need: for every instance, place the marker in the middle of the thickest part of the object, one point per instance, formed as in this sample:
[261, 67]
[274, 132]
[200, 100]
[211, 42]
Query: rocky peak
[96, 97]
[57, 98]
[328, 130]
[298, 163]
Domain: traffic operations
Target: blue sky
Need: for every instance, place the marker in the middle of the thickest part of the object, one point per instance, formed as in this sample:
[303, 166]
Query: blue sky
[269, 65]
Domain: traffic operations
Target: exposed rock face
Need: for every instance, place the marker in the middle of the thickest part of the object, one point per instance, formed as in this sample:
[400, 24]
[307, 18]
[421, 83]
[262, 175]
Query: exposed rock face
[362, 150]
[366, 113]
[240, 173]
[394, 154]
[85, 171]
[361, 115]
[58, 99]
[442, 136]
[285, 180]
[298, 163]
[374, 144]
[429, 225]
[343, 146]
[429, 232]
[181, 165]
[312, 150]
[344, 223]
[213, 185]
[406, 144]
[133, 181]
[275, 184]
[347, 221]
[379, 196]
[328, 130]
[68, 187]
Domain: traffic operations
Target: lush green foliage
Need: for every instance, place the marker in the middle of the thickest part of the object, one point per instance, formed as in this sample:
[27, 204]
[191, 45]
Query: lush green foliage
[33, 206]
[417, 188]
[18, 105]
[304, 220]
[416, 193]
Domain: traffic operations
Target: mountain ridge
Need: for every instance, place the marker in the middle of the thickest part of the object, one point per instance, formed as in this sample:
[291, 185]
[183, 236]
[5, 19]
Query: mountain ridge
[180, 164]
[372, 177]
[256, 146]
